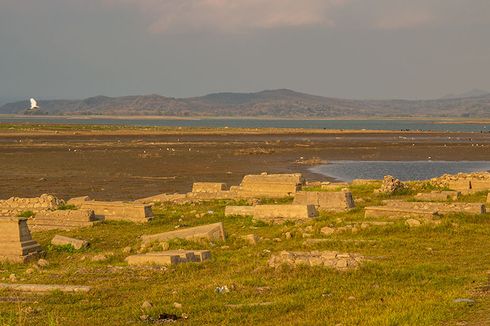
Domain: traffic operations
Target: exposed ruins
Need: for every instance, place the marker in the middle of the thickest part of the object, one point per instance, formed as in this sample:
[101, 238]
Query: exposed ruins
[16, 244]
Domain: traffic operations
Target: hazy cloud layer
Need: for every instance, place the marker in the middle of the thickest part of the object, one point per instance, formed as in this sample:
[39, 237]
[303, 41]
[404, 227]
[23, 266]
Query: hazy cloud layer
[345, 48]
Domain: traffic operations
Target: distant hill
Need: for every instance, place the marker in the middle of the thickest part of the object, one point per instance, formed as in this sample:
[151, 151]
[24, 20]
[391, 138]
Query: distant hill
[472, 93]
[269, 103]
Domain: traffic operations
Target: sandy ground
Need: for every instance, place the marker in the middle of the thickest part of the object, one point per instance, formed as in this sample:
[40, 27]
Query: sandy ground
[126, 164]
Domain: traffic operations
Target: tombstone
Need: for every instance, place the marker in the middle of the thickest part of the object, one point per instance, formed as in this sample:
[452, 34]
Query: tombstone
[327, 201]
[115, 211]
[16, 244]
[63, 220]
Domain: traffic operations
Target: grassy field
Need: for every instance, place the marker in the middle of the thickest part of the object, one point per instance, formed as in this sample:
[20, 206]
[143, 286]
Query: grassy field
[413, 276]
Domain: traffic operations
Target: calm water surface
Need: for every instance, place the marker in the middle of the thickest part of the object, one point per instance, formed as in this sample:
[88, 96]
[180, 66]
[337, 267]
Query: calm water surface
[258, 123]
[404, 170]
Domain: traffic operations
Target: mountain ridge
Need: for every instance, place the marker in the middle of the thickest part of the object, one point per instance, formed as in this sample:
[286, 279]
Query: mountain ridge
[266, 103]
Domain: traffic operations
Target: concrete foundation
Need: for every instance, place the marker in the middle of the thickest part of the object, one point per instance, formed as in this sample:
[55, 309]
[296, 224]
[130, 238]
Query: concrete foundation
[282, 213]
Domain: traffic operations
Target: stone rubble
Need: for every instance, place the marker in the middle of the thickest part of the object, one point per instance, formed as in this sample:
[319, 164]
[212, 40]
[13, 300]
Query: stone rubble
[333, 259]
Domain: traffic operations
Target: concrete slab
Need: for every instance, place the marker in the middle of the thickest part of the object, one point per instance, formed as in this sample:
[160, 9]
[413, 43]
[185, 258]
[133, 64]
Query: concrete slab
[44, 288]
[78, 244]
[169, 257]
[212, 232]
[282, 213]
[239, 210]
[208, 187]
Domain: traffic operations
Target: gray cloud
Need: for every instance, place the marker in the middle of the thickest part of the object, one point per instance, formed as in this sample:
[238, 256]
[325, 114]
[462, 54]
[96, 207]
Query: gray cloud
[347, 48]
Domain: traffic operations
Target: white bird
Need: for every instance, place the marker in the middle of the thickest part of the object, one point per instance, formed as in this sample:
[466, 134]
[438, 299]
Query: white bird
[34, 104]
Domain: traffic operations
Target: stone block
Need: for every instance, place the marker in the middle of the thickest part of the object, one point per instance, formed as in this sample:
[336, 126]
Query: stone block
[208, 187]
[117, 210]
[212, 232]
[239, 210]
[63, 220]
[327, 201]
[59, 240]
[282, 213]
[438, 196]
[16, 244]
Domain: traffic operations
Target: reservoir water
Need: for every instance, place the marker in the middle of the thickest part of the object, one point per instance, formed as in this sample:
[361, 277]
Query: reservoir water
[403, 170]
[398, 124]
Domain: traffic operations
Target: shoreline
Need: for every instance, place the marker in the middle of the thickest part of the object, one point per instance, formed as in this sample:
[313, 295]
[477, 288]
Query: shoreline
[433, 119]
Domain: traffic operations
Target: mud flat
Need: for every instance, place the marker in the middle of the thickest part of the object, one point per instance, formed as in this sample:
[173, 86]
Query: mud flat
[126, 163]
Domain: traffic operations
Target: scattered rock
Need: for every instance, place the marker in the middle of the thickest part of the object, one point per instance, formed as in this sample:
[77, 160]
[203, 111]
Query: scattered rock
[222, 289]
[413, 223]
[12, 278]
[177, 305]
[464, 300]
[251, 239]
[42, 262]
[390, 185]
[127, 250]
[146, 305]
[327, 230]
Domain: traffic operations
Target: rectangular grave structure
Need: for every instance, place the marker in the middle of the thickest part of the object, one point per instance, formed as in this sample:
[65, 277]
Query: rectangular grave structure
[239, 210]
[169, 257]
[440, 208]
[211, 232]
[269, 185]
[395, 213]
[326, 201]
[211, 187]
[16, 244]
[283, 213]
[438, 196]
[115, 211]
[63, 220]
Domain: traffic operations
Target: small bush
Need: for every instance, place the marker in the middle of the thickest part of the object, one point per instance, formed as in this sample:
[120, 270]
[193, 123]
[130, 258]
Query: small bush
[26, 214]
[65, 207]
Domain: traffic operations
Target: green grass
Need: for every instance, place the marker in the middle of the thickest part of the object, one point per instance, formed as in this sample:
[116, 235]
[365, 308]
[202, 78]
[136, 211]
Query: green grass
[26, 214]
[412, 277]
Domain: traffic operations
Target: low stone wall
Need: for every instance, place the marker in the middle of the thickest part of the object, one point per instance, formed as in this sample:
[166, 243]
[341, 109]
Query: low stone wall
[464, 182]
[16, 244]
[208, 187]
[282, 213]
[327, 201]
[212, 232]
[239, 210]
[170, 257]
[115, 211]
[333, 259]
[441, 208]
[16, 205]
[394, 212]
[438, 196]
[63, 220]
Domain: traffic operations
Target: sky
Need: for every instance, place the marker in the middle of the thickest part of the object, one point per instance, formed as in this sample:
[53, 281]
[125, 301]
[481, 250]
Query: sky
[363, 49]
